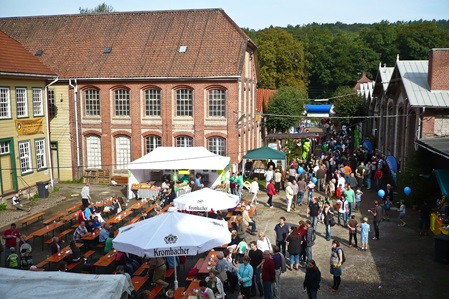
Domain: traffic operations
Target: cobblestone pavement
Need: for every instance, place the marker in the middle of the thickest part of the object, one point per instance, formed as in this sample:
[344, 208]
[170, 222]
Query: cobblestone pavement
[398, 265]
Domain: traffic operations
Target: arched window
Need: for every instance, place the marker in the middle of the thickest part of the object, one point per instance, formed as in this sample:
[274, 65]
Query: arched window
[93, 145]
[184, 141]
[122, 152]
[217, 103]
[92, 102]
[152, 142]
[217, 145]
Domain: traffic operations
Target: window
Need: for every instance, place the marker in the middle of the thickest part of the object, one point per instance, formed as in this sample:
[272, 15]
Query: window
[25, 157]
[5, 109]
[52, 103]
[184, 102]
[123, 152]
[4, 148]
[39, 148]
[217, 99]
[152, 142]
[38, 104]
[92, 97]
[152, 102]
[217, 146]
[184, 141]
[22, 102]
[121, 102]
[93, 144]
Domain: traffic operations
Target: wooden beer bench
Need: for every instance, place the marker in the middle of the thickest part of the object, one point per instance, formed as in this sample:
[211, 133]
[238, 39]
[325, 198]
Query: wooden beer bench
[38, 216]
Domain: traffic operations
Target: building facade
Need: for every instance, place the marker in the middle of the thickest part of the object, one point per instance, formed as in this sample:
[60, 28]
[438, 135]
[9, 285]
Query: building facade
[24, 139]
[130, 82]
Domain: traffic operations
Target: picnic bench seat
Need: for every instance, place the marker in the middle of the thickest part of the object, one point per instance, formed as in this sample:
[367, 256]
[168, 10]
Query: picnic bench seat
[54, 218]
[42, 264]
[198, 265]
[29, 237]
[169, 272]
[141, 269]
[150, 208]
[60, 235]
[71, 266]
[252, 211]
[38, 216]
[165, 209]
[178, 293]
[134, 220]
[156, 290]
[138, 282]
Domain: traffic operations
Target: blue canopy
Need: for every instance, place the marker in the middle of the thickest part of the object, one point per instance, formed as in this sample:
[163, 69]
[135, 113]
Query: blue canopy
[443, 180]
[367, 144]
[318, 108]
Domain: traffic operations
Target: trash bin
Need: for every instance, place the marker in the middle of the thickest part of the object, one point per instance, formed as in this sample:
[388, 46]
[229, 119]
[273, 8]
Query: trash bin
[42, 189]
[442, 248]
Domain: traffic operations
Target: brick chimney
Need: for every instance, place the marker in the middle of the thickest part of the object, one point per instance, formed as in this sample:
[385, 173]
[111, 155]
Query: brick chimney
[438, 76]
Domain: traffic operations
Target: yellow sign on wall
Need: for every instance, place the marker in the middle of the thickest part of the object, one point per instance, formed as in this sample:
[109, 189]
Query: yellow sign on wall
[29, 126]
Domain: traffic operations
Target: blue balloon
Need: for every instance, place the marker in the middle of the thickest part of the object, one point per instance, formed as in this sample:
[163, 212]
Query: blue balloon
[407, 191]
[314, 180]
[381, 193]
[300, 170]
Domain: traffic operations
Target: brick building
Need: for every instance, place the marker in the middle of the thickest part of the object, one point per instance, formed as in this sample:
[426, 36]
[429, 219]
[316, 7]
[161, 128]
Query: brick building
[129, 82]
[411, 102]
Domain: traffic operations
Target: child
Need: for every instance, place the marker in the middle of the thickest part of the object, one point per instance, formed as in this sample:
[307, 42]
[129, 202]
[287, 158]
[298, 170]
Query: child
[402, 213]
[241, 249]
[13, 259]
[364, 230]
[358, 199]
[387, 208]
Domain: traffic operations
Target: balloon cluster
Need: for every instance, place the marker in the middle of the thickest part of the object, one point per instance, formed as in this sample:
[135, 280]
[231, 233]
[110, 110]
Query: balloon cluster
[407, 192]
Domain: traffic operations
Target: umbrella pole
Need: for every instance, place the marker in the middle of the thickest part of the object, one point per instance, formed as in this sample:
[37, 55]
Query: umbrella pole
[176, 274]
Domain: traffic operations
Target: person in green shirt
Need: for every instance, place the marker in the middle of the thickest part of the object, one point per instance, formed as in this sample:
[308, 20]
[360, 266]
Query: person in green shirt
[349, 194]
[108, 242]
[13, 259]
[240, 185]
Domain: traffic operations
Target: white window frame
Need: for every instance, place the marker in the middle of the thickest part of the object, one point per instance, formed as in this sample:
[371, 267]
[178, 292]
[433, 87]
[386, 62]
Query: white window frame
[5, 103]
[25, 157]
[184, 102]
[4, 148]
[184, 141]
[217, 103]
[217, 145]
[22, 102]
[93, 147]
[40, 153]
[38, 102]
[122, 152]
[122, 102]
[152, 102]
[151, 143]
[92, 102]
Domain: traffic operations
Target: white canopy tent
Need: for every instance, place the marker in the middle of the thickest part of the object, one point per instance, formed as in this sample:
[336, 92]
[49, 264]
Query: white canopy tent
[175, 158]
[21, 284]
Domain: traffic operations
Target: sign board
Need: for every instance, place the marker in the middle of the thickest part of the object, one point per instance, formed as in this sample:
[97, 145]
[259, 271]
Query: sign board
[29, 126]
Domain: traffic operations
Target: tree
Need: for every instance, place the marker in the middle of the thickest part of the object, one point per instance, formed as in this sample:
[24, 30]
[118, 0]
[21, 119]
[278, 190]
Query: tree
[287, 101]
[281, 59]
[348, 104]
[101, 8]
[381, 38]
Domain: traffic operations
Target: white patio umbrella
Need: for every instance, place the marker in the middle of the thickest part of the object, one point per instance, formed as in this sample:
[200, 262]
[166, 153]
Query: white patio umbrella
[206, 199]
[172, 234]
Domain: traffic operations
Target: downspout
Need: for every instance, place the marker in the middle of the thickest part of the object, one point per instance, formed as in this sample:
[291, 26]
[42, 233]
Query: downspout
[75, 92]
[50, 164]
[418, 134]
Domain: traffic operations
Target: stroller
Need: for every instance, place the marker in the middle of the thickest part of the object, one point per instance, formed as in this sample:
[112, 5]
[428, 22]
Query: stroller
[161, 198]
[26, 259]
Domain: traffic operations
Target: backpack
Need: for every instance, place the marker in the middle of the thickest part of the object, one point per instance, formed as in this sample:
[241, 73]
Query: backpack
[342, 255]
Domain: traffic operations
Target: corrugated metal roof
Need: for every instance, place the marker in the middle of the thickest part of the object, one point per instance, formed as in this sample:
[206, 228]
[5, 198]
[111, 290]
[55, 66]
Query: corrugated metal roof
[414, 78]
[439, 146]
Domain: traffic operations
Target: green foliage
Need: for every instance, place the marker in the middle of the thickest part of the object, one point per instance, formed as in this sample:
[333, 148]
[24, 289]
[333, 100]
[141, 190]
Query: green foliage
[56, 189]
[350, 104]
[281, 59]
[3, 206]
[79, 181]
[287, 101]
[100, 8]
[381, 38]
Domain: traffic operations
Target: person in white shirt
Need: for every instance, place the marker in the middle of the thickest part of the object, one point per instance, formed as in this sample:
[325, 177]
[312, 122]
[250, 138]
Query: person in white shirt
[269, 174]
[289, 194]
[254, 190]
[85, 196]
[263, 243]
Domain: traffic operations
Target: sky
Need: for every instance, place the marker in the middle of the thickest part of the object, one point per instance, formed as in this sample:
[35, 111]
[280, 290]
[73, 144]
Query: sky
[255, 14]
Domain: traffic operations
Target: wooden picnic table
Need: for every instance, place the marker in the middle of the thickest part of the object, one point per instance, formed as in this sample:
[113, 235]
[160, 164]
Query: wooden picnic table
[118, 218]
[70, 217]
[45, 230]
[209, 261]
[74, 208]
[92, 236]
[190, 291]
[137, 206]
[138, 282]
[106, 259]
[59, 256]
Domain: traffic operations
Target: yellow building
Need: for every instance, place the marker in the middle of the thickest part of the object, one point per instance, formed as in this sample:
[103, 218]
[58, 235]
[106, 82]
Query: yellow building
[24, 136]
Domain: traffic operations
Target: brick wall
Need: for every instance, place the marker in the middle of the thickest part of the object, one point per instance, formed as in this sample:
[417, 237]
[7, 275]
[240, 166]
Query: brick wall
[438, 77]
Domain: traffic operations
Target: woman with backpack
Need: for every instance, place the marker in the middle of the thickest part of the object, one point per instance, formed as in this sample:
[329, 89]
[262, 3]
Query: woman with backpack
[336, 260]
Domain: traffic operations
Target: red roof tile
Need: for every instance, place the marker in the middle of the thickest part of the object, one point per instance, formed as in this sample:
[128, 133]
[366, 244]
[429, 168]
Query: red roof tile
[15, 59]
[263, 97]
[144, 44]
